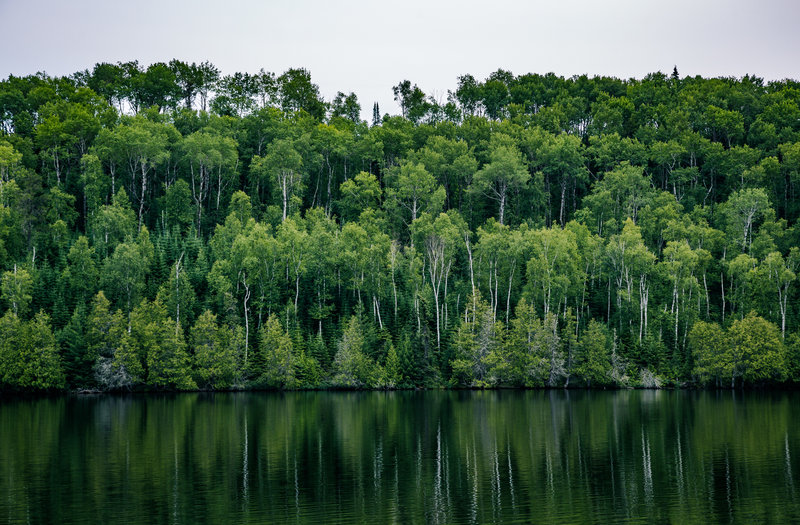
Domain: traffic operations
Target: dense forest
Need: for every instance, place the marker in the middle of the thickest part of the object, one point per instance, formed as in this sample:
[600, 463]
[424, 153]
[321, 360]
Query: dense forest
[168, 227]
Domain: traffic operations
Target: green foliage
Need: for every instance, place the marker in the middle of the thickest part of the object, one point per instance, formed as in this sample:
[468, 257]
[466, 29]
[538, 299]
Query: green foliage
[277, 367]
[16, 286]
[177, 294]
[743, 212]
[531, 231]
[112, 224]
[81, 273]
[413, 189]
[353, 369]
[750, 351]
[619, 195]
[177, 205]
[29, 358]
[392, 370]
[527, 362]
[359, 193]
[281, 169]
[217, 353]
[505, 173]
[124, 274]
[477, 347]
[155, 353]
[793, 358]
[106, 331]
[709, 345]
[593, 359]
[77, 360]
[756, 352]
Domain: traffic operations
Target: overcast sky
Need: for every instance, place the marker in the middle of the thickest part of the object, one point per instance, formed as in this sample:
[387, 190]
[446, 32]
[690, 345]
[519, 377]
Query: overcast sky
[367, 46]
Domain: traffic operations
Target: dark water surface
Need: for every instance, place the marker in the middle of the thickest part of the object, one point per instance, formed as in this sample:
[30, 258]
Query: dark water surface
[402, 457]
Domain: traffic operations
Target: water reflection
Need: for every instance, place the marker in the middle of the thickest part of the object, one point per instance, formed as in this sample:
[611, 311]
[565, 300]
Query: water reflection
[403, 457]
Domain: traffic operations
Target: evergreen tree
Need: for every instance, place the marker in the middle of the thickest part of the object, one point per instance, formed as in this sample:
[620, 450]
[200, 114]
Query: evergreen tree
[376, 115]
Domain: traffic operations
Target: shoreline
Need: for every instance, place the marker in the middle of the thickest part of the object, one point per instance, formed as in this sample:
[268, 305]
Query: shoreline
[143, 392]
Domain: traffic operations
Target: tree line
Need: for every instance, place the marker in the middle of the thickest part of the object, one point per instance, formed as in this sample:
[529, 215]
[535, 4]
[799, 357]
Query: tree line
[169, 227]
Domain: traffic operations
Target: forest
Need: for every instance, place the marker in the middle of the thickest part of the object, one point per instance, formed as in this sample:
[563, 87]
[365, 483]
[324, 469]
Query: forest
[168, 227]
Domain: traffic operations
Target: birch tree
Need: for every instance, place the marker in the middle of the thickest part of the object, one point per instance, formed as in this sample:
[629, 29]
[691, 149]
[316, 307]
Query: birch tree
[778, 275]
[284, 166]
[441, 238]
[506, 172]
[211, 158]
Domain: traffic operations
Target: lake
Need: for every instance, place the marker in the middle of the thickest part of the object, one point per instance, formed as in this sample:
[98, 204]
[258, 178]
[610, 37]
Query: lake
[402, 457]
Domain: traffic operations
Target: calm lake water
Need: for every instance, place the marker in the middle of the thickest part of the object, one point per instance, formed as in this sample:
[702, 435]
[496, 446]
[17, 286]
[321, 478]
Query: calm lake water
[402, 457]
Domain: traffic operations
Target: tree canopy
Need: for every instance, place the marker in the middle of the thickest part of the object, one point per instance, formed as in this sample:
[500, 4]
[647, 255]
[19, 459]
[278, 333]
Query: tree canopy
[167, 226]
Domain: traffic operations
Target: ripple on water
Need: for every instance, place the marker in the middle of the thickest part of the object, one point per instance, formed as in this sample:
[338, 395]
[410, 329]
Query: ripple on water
[402, 457]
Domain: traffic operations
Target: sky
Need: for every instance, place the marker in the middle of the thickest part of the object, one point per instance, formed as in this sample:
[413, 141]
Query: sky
[368, 46]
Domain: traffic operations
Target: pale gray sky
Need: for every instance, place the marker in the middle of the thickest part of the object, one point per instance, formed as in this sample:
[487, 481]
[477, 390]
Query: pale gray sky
[367, 46]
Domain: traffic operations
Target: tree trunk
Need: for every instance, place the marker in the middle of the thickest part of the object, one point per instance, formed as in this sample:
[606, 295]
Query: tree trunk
[677, 307]
[246, 319]
[508, 296]
[502, 205]
[141, 197]
[284, 192]
[722, 287]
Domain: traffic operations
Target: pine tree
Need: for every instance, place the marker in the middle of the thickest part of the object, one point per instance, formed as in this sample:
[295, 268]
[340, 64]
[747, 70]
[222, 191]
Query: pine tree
[376, 114]
[77, 360]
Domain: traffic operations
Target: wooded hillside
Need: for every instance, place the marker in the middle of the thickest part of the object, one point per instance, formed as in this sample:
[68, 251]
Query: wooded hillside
[168, 227]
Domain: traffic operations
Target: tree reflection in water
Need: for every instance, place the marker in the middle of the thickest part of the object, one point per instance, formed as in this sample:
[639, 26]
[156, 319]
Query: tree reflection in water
[454, 456]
